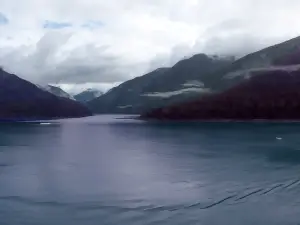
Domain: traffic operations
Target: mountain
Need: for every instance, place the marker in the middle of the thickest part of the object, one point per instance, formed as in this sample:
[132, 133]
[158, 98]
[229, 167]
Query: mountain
[57, 91]
[248, 88]
[190, 78]
[88, 95]
[269, 95]
[20, 99]
[161, 87]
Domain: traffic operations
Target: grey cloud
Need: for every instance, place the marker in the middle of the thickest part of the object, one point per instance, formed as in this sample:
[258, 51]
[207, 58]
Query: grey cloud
[143, 36]
[236, 45]
[47, 47]
[81, 71]
[32, 63]
[235, 37]
[87, 63]
[176, 54]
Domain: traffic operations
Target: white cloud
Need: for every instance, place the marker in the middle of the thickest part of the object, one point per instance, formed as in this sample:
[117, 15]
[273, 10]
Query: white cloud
[106, 42]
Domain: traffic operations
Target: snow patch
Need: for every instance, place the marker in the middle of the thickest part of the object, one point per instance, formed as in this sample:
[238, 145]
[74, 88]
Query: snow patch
[178, 92]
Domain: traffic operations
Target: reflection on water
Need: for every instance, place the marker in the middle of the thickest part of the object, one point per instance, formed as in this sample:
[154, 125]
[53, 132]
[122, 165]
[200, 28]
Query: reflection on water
[103, 170]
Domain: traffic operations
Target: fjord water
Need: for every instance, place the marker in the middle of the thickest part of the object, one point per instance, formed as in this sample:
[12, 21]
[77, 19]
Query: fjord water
[109, 170]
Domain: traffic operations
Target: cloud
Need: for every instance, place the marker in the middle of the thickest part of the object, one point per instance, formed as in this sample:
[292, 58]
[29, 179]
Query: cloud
[56, 25]
[3, 19]
[106, 42]
[78, 88]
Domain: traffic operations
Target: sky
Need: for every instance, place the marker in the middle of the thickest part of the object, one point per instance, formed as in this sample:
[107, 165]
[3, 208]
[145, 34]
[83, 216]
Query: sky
[79, 44]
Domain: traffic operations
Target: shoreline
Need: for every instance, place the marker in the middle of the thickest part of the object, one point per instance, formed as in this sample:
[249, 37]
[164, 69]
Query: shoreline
[36, 120]
[220, 120]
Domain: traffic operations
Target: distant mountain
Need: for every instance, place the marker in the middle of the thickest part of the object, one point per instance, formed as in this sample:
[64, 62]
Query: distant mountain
[88, 95]
[57, 91]
[20, 99]
[161, 87]
[270, 95]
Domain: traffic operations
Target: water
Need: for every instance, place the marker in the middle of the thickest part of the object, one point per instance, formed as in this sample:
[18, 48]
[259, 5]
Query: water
[106, 170]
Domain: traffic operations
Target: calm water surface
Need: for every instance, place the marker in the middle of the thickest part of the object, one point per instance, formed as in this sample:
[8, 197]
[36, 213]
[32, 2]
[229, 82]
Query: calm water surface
[106, 170]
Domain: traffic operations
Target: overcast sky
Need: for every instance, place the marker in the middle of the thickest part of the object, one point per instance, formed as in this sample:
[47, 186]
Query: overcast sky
[100, 43]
